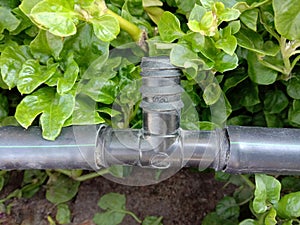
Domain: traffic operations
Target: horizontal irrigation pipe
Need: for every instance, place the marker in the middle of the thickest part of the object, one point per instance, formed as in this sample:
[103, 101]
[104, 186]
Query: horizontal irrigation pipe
[160, 144]
[234, 149]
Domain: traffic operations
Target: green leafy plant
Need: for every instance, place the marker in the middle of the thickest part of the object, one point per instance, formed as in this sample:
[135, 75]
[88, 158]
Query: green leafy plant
[115, 211]
[269, 202]
[66, 62]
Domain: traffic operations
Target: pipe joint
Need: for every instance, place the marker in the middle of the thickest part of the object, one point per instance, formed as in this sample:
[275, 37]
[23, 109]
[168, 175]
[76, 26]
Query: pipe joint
[129, 147]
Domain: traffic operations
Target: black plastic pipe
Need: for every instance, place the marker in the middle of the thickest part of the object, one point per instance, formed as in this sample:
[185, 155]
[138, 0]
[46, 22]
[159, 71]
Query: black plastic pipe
[26, 149]
[235, 149]
[263, 150]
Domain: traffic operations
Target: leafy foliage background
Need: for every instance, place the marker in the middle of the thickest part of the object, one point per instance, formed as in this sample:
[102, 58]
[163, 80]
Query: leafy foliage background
[239, 61]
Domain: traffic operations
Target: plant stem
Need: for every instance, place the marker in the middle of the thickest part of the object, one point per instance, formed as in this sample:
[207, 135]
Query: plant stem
[248, 181]
[271, 66]
[129, 213]
[295, 61]
[285, 57]
[92, 175]
[84, 177]
[134, 31]
[133, 215]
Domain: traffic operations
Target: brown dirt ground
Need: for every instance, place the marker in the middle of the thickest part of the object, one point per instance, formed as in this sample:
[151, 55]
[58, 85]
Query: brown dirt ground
[183, 199]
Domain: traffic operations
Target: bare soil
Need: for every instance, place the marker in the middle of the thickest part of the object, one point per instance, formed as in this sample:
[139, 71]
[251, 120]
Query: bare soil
[183, 199]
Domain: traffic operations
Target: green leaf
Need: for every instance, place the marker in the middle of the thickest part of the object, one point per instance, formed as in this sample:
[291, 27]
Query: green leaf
[206, 125]
[56, 16]
[249, 18]
[289, 206]
[109, 218]
[275, 101]
[234, 81]
[154, 13]
[212, 93]
[245, 94]
[196, 40]
[149, 3]
[259, 73]
[208, 24]
[85, 47]
[220, 110]
[241, 120]
[294, 113]
[108, 111]
[9, 121]
[169, 27]
[270, 218]
[63, 214]
[27, 5]
[293, 88]
[207, 3]
[101, 90]
[234, 26]
[46, 45]
[61, 188]
[55, 109]
[211, 219]
[7, 20]
[31, 176]
[287, 18]
[225, 14]
[249, 222]
[267, 191]
[228, 44]
[4, 107]
[134, 7]
[119, 170]
[84, 112]
[84, 3]
[2, 183]
[152, 220]
[214, 219]
[251, 40]
[222, 176]
[289, 222]
[67, 81]
[11, 61]
[106, 27]
[227, 208]
[183, 56]
[9, 3]
[112, 201]
[2, 84]
[273, 120]
[33, 75]
[186, 54]
[32, 181]
[243, 194]
[290, 183]
[25, 22]
[225, 62]
[195, 17]
[214, 57]
[185, 7]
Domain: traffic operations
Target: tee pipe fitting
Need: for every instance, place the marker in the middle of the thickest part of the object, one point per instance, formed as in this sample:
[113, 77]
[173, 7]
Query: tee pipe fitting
[154, 146]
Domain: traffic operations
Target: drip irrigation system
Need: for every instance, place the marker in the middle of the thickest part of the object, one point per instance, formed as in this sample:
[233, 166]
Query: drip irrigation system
[160, 144]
